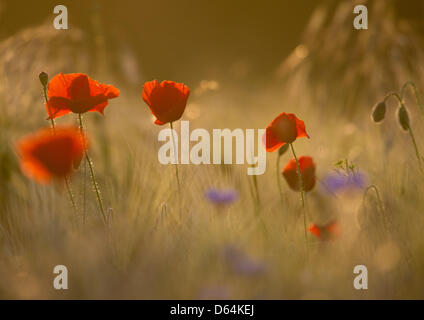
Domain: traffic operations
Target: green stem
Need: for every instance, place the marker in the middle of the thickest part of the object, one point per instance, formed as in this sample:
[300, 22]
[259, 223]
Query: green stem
[176, 167]
[414, 142]
[302, 192]
[279, 179]
[67, 184]
[417, 153]
[48, 106]
[93, 177]
[258, 199]
[416, 93]
[393, 94]
[84, 197]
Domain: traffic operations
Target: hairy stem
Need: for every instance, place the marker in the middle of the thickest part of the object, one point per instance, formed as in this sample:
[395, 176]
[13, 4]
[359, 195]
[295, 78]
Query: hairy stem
[416, 93]
[417, 153]
[302, 192]
[278, 173]
[67, 184]
[93, 177]
[176, 168]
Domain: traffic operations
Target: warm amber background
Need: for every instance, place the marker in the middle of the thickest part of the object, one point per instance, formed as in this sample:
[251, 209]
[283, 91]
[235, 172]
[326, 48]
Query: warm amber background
[174, 38]
[245, 62]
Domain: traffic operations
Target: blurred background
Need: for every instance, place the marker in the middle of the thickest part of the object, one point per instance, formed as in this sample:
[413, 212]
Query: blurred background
[247, 43]
[245, 62]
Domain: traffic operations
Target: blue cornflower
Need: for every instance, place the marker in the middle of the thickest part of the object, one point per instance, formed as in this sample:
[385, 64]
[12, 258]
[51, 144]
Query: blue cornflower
[337, 182]
[221, 197]
[241, 263]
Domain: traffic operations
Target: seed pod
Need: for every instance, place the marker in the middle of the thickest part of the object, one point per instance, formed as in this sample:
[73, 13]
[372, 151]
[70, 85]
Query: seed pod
[44, 78]
[378, 112]
[403, 118]
[283, 149]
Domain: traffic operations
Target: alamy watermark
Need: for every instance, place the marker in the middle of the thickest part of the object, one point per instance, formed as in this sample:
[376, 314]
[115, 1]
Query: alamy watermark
[176, 149]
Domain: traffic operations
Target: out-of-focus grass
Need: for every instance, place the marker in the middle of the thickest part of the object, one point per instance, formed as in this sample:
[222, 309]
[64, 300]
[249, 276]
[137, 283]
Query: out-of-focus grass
[150, 251]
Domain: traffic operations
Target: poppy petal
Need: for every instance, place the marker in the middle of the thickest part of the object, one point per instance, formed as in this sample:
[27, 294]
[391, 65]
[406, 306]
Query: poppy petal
[270, 142]
[315, 230]
[46, 154]
[58, 106]
[79, 88]
[82, 93]
[59, 85]
[166, 100]
[301, 130]
[159, 123]
[285, 128]
[307, 171]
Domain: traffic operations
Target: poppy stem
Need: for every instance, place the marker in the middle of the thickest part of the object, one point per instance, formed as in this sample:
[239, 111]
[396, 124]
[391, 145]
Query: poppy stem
[176, 167]
[302, 192]
[67, 184]
[411, 133]
[417, 153]
[279, 178]
[48, 106]
[84, 198]
[93, 177]
[416, 93]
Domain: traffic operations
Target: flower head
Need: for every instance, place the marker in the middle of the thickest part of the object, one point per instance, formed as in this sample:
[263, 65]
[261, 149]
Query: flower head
[167, 100]
[286, 128]
[337, 182]
[76, 92]
[221, 197]
[325, 232]
[241, 263]
[46, 155]
[307, 172]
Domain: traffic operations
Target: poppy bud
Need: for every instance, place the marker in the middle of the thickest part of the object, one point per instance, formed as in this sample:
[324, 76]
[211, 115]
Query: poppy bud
[283, 149]
[44, 78]
[378, 112]
[403, 118]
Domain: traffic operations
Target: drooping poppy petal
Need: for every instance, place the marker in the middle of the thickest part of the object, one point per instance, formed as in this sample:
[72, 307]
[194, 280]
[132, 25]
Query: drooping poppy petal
[46, 155]
[285, 128]
[166, 100]
[76, 92]
[307, 172]
[325, 232]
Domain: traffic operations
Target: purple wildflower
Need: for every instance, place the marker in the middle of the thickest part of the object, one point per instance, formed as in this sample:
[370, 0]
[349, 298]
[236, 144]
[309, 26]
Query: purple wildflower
[337, 182]
[221, 197]
[241, 264]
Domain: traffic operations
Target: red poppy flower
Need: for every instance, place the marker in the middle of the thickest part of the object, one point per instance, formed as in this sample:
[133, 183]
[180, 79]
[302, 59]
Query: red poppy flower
[325, 232]
[286, 128]
[167, 100]
[76, 92]
[307, 172]
[46, 155]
